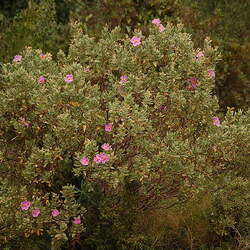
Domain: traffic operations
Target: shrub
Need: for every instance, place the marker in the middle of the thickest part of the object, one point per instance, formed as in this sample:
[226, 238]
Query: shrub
[230, 215]
[119, 126]
[216, 20]
[34, 26]
[45, 25]
[201, 18]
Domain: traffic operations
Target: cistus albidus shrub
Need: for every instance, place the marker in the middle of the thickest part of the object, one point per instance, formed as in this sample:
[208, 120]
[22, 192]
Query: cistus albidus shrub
[119, 126]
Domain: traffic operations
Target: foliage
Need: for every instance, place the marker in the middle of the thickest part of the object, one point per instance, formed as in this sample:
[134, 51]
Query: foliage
[128, 14]
[230, 214]
[34, 26]
[217, 19]
[233, 75]
[139, 99]
[202, 18]
[45, 24]
[10, 8]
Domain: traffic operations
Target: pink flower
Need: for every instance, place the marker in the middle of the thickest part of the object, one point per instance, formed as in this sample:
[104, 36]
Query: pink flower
[24, 122]
[84, 161]
[25, 205]
[41, 79]
[163, 108]
[97, 159]
[106, 147]
[193, 81]
[36, 212]
[69, 78]
[108, 127]
[55, 212]
[101, 158]
[216, 121]
[200, 54]
[123, 79]
[161, 28]
[77, 220]
[211, 73]
[104, 157]
[42, 56]
[135, 40]
[156, 21]
[17, 58]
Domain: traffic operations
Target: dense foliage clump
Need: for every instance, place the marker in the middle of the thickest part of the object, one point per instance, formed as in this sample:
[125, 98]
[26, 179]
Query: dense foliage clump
[45, 24]
[93, 142]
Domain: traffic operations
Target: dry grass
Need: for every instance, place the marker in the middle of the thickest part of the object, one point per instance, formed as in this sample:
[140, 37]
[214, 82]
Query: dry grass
[184, 227]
